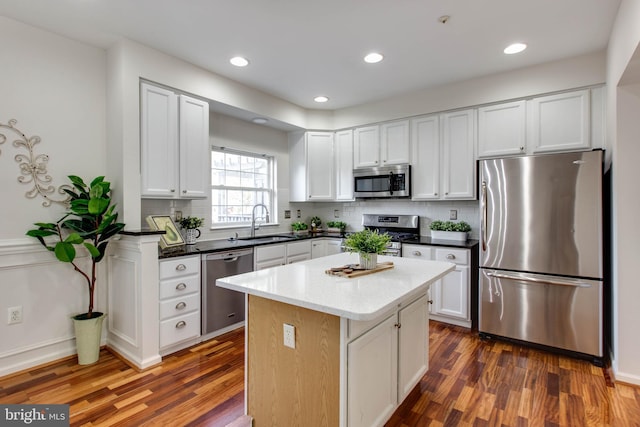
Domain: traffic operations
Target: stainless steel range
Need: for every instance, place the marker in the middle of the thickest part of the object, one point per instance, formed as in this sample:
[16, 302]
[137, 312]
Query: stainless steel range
[400, 228]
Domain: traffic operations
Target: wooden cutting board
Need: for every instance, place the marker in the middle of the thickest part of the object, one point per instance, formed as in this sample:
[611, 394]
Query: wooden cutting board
[351, 271]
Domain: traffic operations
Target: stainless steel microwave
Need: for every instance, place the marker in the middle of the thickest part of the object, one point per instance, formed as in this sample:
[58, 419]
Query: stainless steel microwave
[382, 182]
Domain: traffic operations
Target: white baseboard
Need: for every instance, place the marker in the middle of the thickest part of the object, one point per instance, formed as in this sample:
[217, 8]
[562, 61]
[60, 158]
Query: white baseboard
[29, 357]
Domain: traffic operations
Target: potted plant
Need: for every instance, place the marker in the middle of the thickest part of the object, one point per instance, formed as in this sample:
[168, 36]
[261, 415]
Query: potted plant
[299, 227]
[336, 226]
[90, 222]
[316, 222]
[368, 244]
[449, 230]
[190, 224]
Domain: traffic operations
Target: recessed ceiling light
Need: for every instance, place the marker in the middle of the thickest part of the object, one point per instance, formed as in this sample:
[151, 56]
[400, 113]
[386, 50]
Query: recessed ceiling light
[515, 48]
[321, 99]
[373, 57]
[259, 120]
[239, 61]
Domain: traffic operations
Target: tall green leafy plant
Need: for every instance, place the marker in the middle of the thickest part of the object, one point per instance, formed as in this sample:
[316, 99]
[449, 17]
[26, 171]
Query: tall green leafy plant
[89, 222]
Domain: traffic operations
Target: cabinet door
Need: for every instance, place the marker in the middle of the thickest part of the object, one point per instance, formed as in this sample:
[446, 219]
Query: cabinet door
[372, 375]
[417, 252]
[159, 142]
[502, 129]
[334, 246]
[366, 147]
[344, 165]
[194, 147]
[561, 122]
[413, 345]
[298, 258]
[459, 174]
[320, 177]
[394, 143]
[451, 294]
[425, 147]
[318, 248]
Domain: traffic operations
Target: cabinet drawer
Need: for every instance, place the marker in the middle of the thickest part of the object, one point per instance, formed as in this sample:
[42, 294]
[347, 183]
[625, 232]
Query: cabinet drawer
[180, 286]
[299, 248]
[264, 253]
[417, 252]
[178, 306]
[456, 256]
[178, 267]
[179, 329]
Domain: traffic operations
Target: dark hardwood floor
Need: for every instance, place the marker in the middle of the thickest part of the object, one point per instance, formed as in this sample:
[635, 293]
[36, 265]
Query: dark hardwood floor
[470, 382]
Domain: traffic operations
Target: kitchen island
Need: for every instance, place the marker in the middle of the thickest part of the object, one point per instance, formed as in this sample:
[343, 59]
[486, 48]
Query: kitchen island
[360, 344]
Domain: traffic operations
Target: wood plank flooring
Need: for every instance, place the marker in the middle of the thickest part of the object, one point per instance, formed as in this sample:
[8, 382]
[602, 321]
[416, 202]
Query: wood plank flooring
[470, 383]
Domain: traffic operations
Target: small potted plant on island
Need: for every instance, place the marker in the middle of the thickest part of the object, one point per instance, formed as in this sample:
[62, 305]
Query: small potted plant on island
[336, 226]
[190, 224]
[368, 244]
[299, 227]
[90, 222]
[316, 222]
[449, 230]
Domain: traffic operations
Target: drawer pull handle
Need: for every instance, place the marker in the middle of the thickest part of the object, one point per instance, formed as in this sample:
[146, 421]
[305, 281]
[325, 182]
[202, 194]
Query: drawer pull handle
[430, 301]
[181, 305]
[181, 324]
[181, 267]
[451, 256]
[181, 286]
[398, 325]
[417, 253]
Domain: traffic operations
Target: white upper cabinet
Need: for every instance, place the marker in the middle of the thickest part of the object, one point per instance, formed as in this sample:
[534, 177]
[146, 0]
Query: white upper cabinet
[561, 122]
[311, 166]
[366, 147]
[443, 158]
[425, 170]
[174, 135]
[394, 143]
[458, 145]
[381, 145]
[502, 129]
[344, 164]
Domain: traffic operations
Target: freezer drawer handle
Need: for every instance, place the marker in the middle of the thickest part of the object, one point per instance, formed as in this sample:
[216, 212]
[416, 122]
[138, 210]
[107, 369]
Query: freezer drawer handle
[537, 280]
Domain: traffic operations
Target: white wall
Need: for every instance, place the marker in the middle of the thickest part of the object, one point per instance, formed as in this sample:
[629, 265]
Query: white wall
[55, 88]
[623, 133]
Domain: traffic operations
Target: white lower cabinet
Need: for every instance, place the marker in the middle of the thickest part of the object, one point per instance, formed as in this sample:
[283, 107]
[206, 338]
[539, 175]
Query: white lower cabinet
[324, 246]
[179, 310]
[280, 254]
[385, 362]
[449, 296]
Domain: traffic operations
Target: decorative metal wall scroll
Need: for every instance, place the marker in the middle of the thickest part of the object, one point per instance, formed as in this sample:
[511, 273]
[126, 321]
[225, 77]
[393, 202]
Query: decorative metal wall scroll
[33, 167]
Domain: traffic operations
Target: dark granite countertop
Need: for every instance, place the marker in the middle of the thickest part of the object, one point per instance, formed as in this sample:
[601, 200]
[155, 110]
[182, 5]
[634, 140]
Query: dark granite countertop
[221, 245]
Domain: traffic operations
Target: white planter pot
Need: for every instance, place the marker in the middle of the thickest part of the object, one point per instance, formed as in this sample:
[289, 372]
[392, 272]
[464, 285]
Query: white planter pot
[369, 262]
[88, 334]
[459, 236]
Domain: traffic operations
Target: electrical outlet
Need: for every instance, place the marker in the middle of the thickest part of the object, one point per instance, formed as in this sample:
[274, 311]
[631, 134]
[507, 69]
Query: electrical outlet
[287, 214]
[14, 315]
[298, 213]
[178, 215]
[336, 213]
[453, 214]
[289, 335]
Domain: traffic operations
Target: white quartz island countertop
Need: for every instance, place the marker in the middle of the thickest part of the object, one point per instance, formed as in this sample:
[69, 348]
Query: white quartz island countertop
[305, 284]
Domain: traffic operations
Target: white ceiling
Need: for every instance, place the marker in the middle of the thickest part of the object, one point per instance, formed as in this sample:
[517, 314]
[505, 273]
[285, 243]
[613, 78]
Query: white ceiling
[302, 48]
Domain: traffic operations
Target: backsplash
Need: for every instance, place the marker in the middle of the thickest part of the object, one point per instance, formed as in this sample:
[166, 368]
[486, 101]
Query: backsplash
[349, 212]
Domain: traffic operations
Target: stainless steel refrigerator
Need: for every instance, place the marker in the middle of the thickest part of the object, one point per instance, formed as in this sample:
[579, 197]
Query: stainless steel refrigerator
[541, 243]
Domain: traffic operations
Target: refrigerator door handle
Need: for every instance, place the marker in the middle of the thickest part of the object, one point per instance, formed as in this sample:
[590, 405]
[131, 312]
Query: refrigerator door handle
[539, 280]
[483, 228]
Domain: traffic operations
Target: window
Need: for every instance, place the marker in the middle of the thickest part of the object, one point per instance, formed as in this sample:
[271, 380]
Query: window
[240, 180]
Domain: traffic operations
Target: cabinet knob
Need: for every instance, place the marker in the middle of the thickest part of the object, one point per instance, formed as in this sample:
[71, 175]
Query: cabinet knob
[446, 194]
[430, 301]
[435, 194]
[181, 267]
[451, 256]
[521, 148]
[184, 191]
[181, 286]
[173, 190]
[181, 324]
[417, 253]
[181, 305]
[398, 325]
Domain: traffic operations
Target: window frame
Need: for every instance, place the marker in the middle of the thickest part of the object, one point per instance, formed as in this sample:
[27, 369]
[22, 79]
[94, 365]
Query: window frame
[271, 189]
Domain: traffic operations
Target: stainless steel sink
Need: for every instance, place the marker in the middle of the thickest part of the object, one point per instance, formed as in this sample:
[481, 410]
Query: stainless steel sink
[264, 239]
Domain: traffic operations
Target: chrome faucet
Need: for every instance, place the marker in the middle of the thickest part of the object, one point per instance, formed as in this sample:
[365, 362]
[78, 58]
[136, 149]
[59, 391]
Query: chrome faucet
[253, 218]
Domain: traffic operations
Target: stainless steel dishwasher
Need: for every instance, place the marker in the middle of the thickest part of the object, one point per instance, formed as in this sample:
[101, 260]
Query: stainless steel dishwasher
[222, 308]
